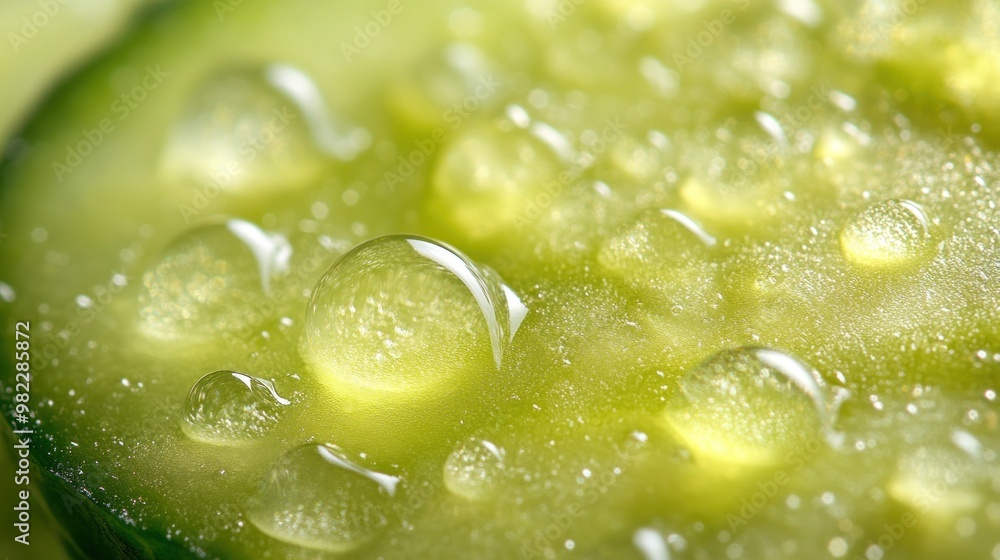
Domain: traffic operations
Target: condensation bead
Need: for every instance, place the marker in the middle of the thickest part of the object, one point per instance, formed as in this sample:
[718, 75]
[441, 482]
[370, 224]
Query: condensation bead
[407, 315]
[655, 243]
[315, 496]
[230, 408]
[208, 281]
[489, 183]
[444, 87]
[255, 129]
[752, 406]
[886, 235]
[668, 259]
[473, 470]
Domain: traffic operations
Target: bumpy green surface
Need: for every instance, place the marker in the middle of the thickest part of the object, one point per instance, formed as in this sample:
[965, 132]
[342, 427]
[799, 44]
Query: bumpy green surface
[617, 279]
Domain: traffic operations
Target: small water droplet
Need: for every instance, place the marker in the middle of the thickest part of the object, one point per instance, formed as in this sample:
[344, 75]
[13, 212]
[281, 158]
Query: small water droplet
[406, 314]
[472, 471]
[206, 282]
[315, 496]
[228, 407]
[888, 234]
[752, 406]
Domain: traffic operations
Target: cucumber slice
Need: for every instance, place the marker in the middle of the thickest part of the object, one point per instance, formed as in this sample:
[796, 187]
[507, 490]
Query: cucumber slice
[607, 280]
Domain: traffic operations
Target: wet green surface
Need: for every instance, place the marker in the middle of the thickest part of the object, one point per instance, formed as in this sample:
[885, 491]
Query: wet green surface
[662, 282]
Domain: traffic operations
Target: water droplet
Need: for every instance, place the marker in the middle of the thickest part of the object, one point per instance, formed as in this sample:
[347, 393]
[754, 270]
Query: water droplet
[228, 407]
[667, 257]
[488, 182]
[315, 496]
[887, 234]
[406, 314]
[655, 243]
[460, 74]
[473, 469]
[207, 281]
[937, 481]
[752, 406]
[251, 129]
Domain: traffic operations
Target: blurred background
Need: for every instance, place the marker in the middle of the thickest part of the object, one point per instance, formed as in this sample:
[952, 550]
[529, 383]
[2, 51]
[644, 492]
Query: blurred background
[45, 43]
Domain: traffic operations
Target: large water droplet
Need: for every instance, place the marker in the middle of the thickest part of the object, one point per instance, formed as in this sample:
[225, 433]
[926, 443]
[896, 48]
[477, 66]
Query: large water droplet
[472, 471]
[254, 128]
[888, 234]
[228, 408]
[206, 282]
[752, 406]
[489, 183]
[406, 314]
[315, 496]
